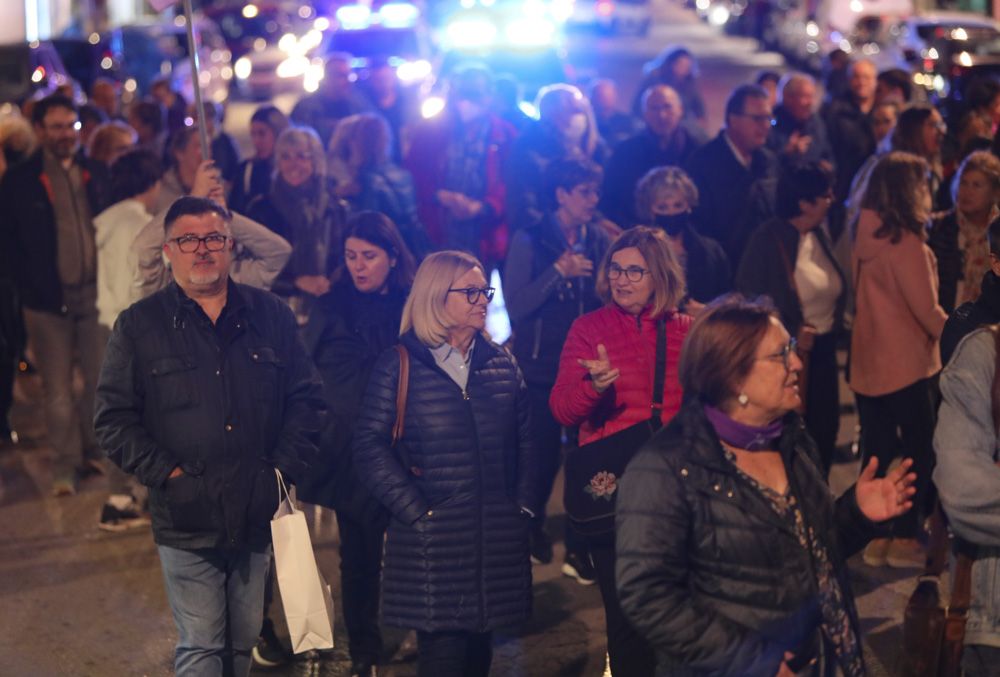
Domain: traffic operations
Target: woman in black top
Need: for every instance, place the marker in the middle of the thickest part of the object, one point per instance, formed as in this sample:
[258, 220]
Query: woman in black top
[253, 176]
[349, 327]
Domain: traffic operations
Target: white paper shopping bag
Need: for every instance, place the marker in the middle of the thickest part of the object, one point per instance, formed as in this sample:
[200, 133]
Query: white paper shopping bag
[304, 593]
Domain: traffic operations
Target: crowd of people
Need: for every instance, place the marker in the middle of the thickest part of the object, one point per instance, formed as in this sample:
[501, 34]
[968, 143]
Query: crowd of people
[678, 300]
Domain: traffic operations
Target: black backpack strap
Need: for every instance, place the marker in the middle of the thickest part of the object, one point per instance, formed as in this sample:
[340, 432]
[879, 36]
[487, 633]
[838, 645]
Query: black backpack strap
[659, 374]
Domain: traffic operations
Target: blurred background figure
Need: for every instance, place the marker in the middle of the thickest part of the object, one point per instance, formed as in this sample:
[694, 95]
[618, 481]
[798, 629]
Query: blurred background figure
[110, 141]
[224, 152]
[895, 85]
[91, 117]
[884, 116]
[104, 95]
[396, 106]
[798, 134]
[176, 107]
[253, 175]
[456, 160]
[769, 81]
[367, 178]
[613, 123]
[148, 118]
[675, 67]
[336, 99]
[565, 129]
[507, 102]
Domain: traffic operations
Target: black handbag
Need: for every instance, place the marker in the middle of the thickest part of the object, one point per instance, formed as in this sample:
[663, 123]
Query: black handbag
[593, 470]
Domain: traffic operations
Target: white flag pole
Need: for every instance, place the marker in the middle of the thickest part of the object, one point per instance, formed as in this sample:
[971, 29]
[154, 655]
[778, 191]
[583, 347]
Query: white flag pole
[196, 80]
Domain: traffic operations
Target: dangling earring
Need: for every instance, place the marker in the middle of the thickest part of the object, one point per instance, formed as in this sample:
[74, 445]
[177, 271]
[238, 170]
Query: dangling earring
[743, 399]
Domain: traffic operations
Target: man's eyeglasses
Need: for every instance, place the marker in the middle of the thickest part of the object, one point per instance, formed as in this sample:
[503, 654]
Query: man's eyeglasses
[759, 119]
[785, 354]
[632, 273]
[472, 294]
[189, 244]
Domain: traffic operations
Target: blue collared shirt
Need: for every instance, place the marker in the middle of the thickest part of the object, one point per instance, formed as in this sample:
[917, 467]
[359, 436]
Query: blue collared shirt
[451, 360]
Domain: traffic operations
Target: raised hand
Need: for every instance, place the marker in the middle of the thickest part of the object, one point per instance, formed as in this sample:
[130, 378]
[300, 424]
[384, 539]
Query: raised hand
[888, 497]
[571, 264]
[602, 375]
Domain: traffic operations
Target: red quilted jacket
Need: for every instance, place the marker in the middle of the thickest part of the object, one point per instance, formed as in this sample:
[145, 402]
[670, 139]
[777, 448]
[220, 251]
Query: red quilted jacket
[631, 345]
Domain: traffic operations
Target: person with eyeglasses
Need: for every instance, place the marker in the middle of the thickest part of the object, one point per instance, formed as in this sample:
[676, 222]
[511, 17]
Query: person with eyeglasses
[549, 283]
[898, 324]
[617, 383]
[790, 259]
[732, 552]
[735, 173]
[303, 209]
[206, 390]
[454, 464]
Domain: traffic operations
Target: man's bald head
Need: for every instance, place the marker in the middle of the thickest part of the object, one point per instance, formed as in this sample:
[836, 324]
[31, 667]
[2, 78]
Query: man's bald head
[662, 110]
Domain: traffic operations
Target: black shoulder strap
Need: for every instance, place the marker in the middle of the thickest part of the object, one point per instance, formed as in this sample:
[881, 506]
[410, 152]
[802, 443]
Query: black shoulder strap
[659, 375]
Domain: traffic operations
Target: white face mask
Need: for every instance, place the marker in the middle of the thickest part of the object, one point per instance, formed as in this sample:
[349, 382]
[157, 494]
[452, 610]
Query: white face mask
[576, 127]
[467, 110]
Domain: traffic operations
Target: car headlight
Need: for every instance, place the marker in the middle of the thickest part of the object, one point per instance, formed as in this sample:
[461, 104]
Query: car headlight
[469, 33]
[431, 107]
[292, 67]
[242, 68]
[718, 15]
[413, 71]
[530, 32]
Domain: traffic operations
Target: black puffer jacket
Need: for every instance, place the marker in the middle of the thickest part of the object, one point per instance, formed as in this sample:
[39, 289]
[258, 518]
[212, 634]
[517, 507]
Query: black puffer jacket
[227, 403]
[467, 458]
[707, 571]
[347, 331]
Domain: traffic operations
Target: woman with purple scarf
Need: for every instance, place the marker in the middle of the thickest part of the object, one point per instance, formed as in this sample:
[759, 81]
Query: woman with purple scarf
[732, 552]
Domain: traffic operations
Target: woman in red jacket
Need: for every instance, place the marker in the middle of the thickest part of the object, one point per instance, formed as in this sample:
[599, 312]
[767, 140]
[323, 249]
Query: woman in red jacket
[617, 382]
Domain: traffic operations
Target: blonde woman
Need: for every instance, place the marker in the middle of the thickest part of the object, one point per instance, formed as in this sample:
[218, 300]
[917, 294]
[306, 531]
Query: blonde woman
[301, 208]
[110, 141]
[460, 481]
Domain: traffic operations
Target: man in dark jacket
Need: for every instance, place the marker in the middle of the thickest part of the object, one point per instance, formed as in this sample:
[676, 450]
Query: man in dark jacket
[799, 133]
[663, 142]
[205, 391]
[735, 173]
[50, 199]
[335, 100]
[985, 310]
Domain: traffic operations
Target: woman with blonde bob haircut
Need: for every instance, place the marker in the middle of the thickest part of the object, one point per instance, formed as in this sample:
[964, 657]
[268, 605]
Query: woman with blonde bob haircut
[618, 382]
[443, 442]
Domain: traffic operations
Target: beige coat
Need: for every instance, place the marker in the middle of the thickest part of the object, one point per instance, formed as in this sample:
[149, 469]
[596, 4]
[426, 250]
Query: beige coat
[898, 320]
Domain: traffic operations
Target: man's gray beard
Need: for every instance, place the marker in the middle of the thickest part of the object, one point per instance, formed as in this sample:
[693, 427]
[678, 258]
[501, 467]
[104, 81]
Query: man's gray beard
[204, 278]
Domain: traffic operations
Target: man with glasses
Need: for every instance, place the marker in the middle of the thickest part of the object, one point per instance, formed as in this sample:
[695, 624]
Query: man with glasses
[205, 391]
[735, 173]
[49, 201]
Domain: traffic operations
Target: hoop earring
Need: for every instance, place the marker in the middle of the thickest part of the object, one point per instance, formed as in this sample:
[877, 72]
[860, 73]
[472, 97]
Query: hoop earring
[743, 399]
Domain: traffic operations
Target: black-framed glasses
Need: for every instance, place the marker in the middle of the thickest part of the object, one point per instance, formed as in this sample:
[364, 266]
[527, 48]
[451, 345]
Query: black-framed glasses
[632, 273]
[785, 354]
[189, 244]
[472, 294]
[758, 118]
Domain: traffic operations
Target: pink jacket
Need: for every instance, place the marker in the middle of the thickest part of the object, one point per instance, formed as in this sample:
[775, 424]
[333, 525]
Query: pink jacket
[898, 321]
[631, 345]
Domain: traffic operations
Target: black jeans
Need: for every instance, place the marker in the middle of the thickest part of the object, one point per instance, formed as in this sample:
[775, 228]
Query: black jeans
[454, 654]
[629, 653]
[823, 397]
[902, 422]
[360, 573]
[547, 434]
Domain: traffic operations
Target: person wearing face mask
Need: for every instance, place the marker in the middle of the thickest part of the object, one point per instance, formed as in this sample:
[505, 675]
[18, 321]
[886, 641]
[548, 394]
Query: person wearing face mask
[666, 198]
[663, 142]
[253, 176]
[456, 160]
[548, 283]
[456, 469]
[617, 381]
[565, 129]
[790, 260]
[350, 326]
[302, 208]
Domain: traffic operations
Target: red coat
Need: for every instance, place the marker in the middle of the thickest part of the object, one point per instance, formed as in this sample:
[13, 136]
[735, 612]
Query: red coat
[631, 345]
[427, 161]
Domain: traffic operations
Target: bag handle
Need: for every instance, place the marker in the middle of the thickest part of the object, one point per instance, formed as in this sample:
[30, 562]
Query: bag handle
[659, 375]
[401, 391]
[283, 488]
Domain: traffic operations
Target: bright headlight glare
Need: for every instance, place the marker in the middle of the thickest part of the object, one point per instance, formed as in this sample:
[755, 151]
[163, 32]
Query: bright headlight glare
[413, 71]
[242, 68]
[530, 32]
[431, 107]
[466, 33]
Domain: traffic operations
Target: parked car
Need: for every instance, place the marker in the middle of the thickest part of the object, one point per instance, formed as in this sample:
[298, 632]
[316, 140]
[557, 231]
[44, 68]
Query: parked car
[29, 69]
[612, 16]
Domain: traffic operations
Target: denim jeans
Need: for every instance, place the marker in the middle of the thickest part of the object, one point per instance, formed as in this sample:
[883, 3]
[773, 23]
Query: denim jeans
[58, 340]
[217, 599]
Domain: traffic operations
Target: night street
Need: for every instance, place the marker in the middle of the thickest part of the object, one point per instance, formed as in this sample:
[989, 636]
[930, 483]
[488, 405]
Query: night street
[82, 602]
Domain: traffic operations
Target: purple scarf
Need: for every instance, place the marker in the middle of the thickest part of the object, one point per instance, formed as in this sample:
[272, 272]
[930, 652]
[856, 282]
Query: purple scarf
[742, 435]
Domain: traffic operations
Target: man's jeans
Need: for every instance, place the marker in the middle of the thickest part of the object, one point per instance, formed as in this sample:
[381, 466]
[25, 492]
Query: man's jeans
[217, 598]
[57, 340]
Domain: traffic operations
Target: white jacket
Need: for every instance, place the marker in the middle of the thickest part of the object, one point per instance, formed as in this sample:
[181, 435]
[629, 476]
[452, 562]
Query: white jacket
[117, 266]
